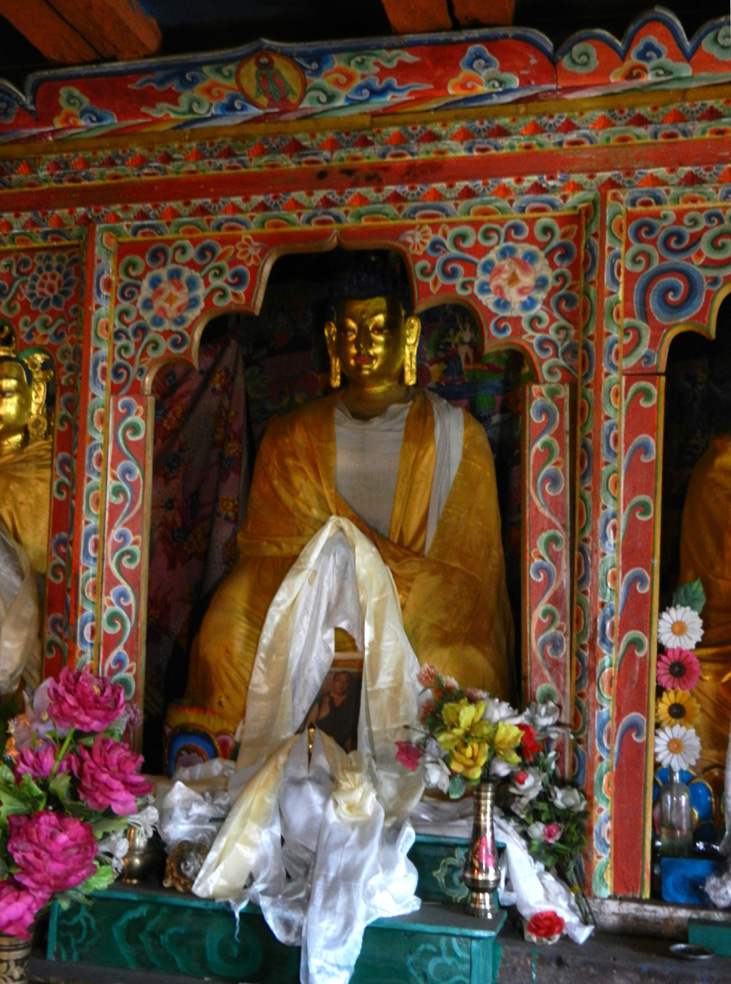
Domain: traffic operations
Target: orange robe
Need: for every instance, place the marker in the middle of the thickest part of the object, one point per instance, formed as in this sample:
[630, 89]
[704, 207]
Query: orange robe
[453, 599]
[705, 553]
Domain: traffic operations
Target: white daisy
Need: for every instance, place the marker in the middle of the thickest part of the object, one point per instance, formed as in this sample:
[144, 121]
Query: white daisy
[680, 628]
[677, 747]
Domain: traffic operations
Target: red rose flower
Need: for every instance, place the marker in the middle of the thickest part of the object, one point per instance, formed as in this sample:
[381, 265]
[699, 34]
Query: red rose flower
[528, 742]
[544, 925]
[408, 755]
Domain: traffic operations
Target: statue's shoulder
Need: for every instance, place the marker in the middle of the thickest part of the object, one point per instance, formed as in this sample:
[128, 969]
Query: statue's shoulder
[310, 418]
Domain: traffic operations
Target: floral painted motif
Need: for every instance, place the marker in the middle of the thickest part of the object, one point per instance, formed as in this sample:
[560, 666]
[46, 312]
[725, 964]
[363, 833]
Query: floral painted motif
[171, 297]
[513, 279]
[51, 283]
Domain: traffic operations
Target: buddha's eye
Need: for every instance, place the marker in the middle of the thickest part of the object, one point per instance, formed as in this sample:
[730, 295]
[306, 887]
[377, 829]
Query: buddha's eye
[378, 325]
[347, 330]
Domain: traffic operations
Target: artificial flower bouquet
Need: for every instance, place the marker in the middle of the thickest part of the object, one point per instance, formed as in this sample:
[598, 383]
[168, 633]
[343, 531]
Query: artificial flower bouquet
[679, 630]
[467, 736]
[69, 785]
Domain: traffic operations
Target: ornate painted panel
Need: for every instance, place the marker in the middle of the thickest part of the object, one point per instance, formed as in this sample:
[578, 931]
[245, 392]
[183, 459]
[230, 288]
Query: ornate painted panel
[521, 275]
[583, 232]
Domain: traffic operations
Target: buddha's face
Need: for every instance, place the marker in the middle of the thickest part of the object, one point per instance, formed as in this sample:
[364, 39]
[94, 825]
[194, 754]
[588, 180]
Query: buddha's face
[15, 400]
[370, 339]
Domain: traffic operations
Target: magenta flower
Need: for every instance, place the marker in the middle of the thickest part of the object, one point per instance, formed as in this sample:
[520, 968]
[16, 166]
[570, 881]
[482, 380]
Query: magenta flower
[678, 669]
[552, 832]
[82, 700]
[39, 762]
[18, 908]
[408, 755]
[109, 777]
[53, 851]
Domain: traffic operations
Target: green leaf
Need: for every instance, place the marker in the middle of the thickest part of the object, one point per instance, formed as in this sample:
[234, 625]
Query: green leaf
[24, 798]
[456, 787]
[691, 595]
[106, 825]
[97, 882]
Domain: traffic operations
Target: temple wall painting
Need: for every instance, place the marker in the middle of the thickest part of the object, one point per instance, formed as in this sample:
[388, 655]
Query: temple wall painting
[582, 233]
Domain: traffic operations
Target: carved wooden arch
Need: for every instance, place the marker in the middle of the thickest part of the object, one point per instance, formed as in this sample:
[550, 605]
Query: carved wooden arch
[166, 287]
[676, 271]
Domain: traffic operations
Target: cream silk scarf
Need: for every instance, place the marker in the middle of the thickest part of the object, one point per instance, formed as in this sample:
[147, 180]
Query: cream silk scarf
[320, 843]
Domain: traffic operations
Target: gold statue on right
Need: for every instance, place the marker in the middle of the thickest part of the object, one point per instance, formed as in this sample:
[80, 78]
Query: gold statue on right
[26, 451]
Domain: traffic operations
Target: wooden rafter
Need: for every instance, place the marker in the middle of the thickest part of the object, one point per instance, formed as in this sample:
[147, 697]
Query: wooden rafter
[418, 16]
[74, 31]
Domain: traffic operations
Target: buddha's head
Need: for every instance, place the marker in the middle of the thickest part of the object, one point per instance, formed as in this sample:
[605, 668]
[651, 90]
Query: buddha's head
[23, 391]
[370, 339]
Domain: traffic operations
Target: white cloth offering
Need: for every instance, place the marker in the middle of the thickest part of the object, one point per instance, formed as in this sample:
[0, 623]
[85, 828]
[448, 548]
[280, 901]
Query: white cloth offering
[321, 845]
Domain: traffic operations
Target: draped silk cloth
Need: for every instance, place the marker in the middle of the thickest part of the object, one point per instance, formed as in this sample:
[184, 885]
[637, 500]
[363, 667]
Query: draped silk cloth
[453, 596]
[321, 844]
[705, 553]
[25, 498]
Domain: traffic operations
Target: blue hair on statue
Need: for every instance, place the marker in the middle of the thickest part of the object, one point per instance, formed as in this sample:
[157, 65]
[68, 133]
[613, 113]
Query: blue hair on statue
[360, 274]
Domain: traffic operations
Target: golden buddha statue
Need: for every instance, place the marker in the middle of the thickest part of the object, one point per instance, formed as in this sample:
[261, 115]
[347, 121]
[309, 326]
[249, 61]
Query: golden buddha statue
[705, 553]
[413, 473]
[25, 492]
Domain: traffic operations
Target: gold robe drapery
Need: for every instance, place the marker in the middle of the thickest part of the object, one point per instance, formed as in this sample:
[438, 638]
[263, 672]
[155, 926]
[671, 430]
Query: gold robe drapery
[453, 599]
[705, 553]
[25, 498]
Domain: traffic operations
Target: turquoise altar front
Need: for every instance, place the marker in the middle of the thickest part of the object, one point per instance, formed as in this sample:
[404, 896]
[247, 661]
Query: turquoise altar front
[149, 928]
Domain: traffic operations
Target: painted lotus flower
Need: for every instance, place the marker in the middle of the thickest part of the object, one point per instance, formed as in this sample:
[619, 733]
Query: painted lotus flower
[52, 282]
[677, 747]
[171, 297]
[513, 279]
[680, 628]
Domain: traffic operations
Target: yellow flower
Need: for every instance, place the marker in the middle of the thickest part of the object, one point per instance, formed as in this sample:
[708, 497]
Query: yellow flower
[463, 716]
[676, 707]
[467, 758]
[505, 740]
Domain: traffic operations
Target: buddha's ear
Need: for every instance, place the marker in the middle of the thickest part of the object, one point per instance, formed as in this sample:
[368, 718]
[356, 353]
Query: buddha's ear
[412, 332]
[331, 335]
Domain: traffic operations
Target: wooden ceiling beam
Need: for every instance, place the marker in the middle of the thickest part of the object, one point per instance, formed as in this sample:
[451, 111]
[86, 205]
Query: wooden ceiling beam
[47, 31]
[487, 13]
[417, 16]
[116, 28]
[70, 32]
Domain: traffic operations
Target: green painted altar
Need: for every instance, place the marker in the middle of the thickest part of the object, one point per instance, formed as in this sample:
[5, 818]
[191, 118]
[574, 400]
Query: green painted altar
[149, 928]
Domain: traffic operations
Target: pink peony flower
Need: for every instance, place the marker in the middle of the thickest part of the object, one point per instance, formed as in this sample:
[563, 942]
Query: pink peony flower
[39, 762]
[678, 669]
[18, 909]
[109, 777]
[408, 755]
[53, 851]
[552, 832]
[82, 700]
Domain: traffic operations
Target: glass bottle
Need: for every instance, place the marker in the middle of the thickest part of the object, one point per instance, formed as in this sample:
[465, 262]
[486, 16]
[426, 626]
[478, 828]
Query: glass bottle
[676, 818]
